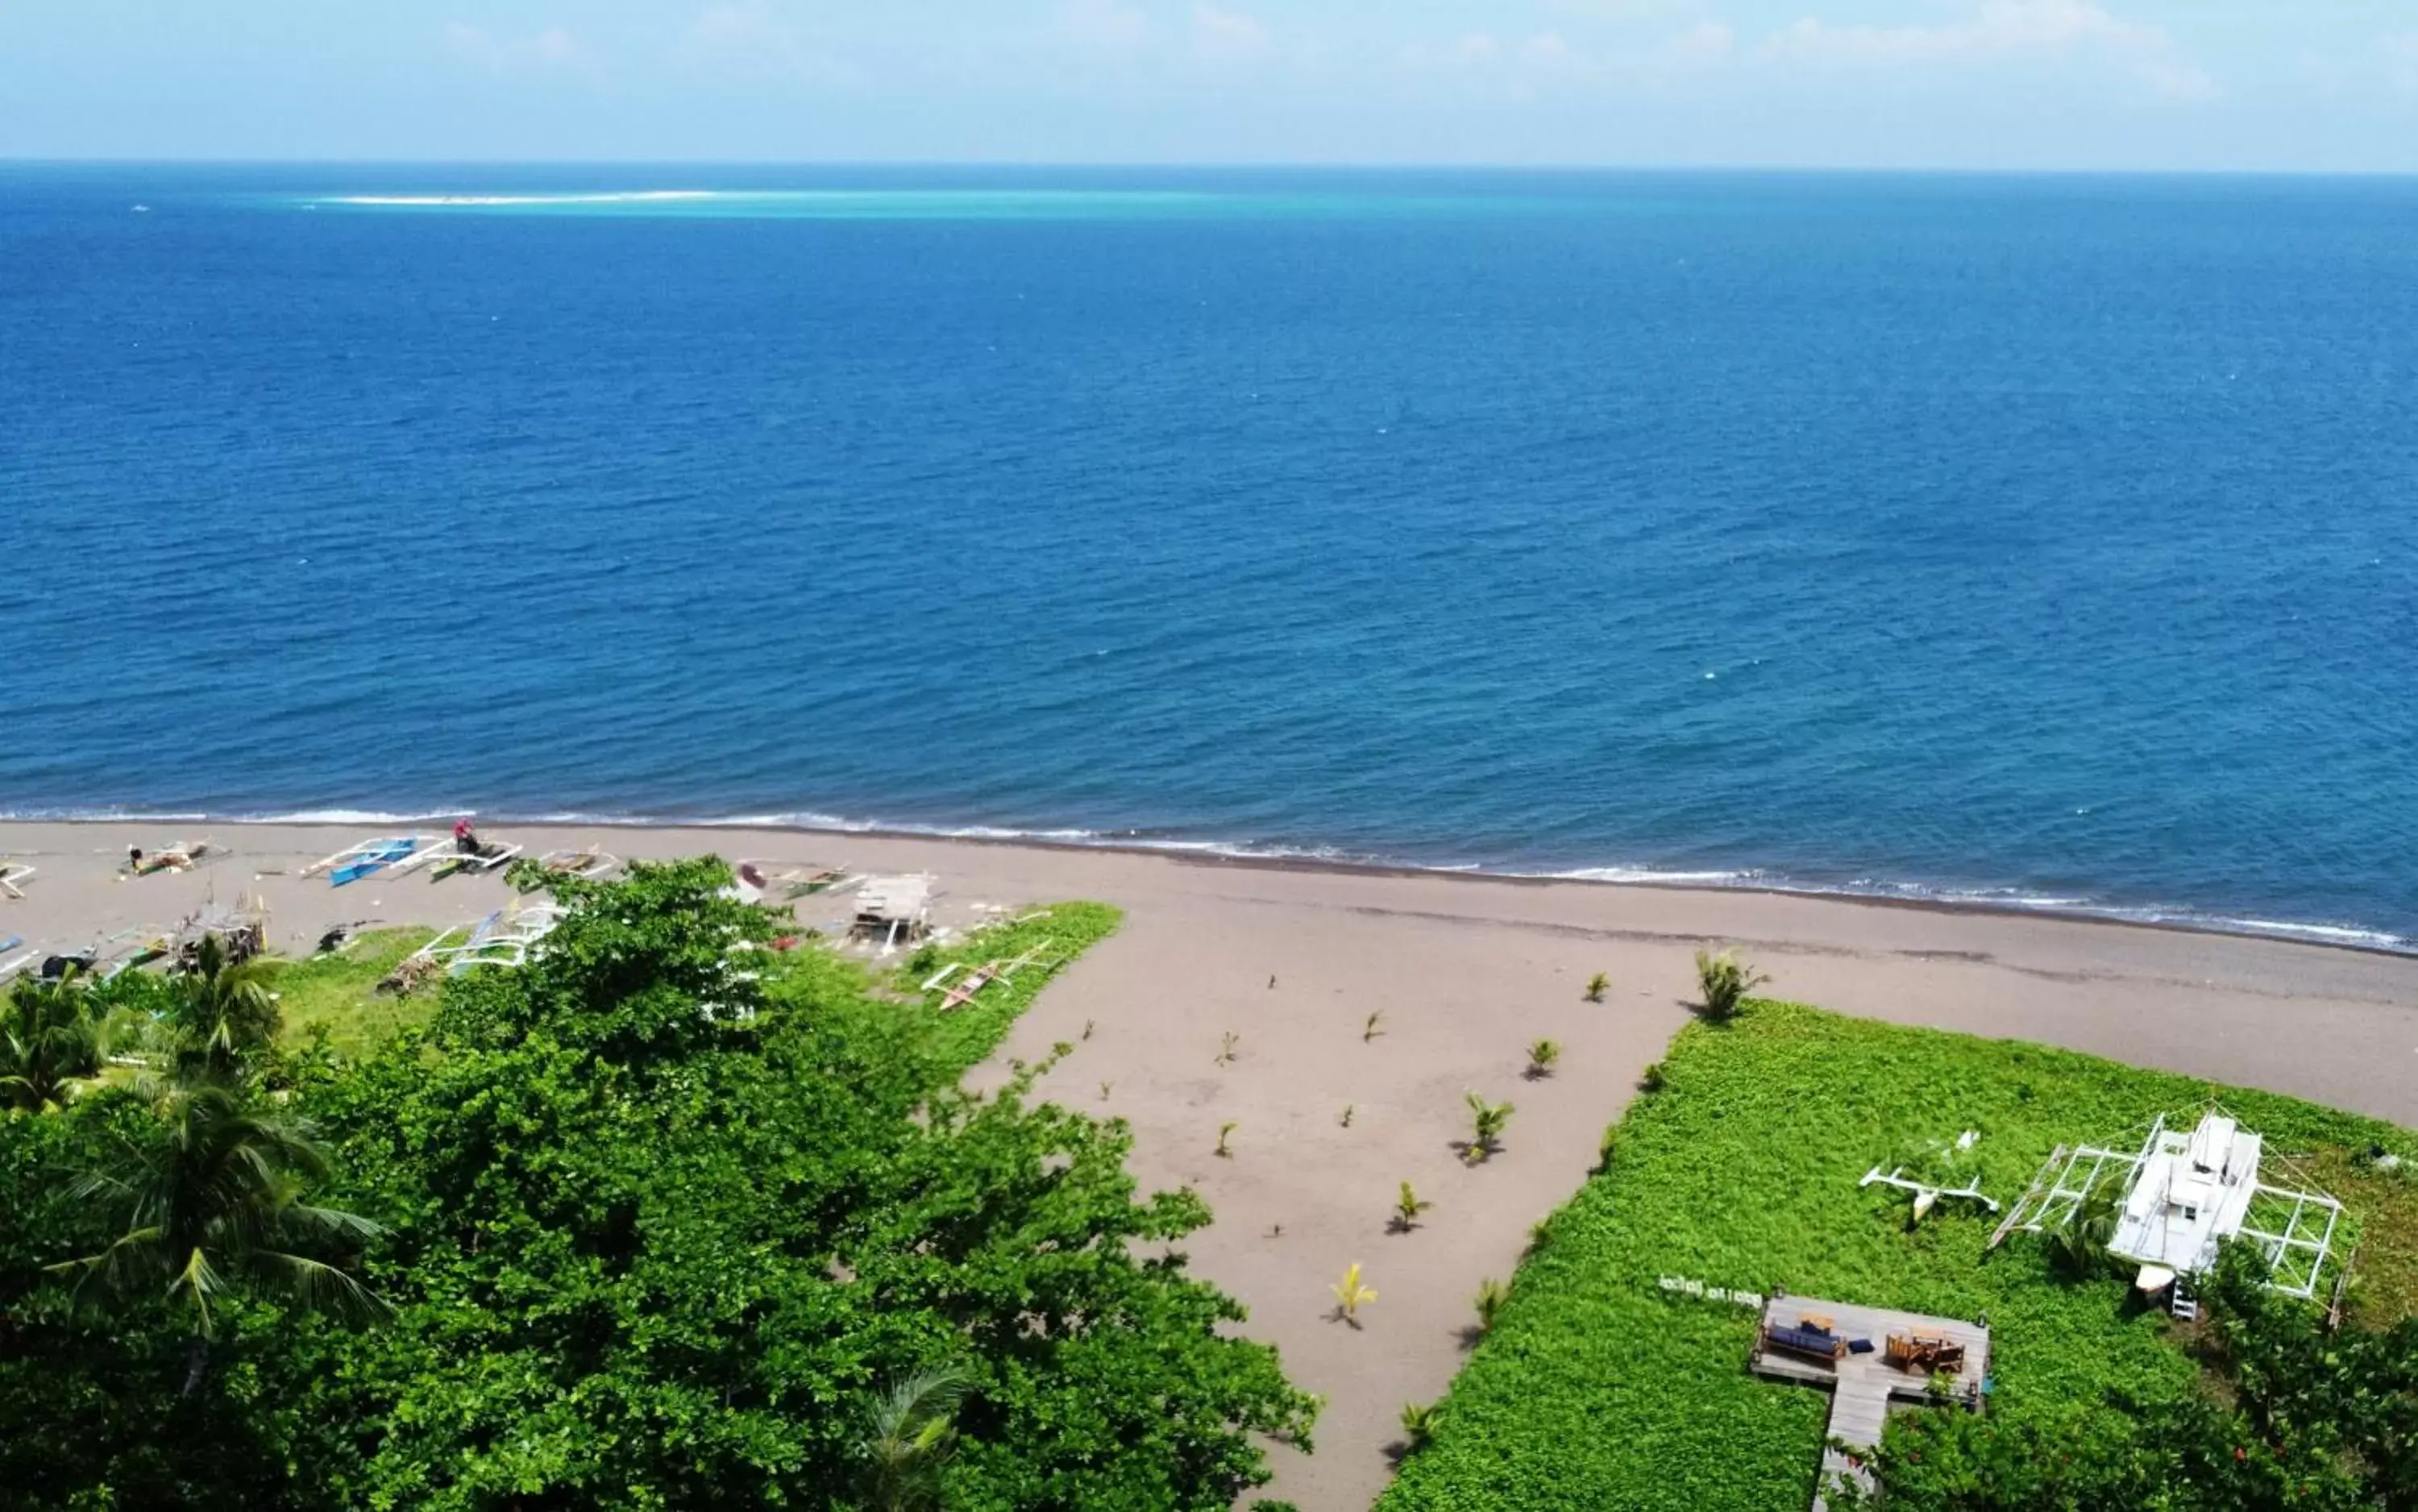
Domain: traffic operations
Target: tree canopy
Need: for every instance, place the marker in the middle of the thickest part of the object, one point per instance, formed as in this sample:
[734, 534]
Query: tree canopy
[666, 1219]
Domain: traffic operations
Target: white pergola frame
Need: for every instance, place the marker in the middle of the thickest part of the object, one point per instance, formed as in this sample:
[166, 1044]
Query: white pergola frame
[2056, 1195]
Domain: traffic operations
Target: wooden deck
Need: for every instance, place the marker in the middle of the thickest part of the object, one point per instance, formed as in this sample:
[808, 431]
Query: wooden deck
[1863, 1385]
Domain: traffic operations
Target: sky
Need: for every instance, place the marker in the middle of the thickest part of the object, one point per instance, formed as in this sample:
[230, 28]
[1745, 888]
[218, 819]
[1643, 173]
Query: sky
[2320, 85]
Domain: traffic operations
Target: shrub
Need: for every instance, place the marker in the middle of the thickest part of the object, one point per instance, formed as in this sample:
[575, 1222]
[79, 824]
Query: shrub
[1487, 1122]
[1724, 982]
[1543, 1056]
[1491, 1294]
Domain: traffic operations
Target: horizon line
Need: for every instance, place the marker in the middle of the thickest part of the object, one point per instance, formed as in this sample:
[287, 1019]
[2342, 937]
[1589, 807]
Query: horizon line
[1203, 165]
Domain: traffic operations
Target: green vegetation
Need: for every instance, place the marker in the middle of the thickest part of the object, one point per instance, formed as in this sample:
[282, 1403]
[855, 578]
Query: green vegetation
[1408, 1206]
[1543, 1057]
[1350, 1294]
[50, 1040]
[1724, 982]
[665, 1218]
[1596, 986]
[1487, 1122]
[338, 993]
[2295, 1417]
[1491, 1294]
[1595, 1387]
[960, 1038]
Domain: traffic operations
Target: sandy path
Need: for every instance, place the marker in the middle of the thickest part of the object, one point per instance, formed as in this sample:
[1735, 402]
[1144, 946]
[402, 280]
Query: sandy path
[1466, 971]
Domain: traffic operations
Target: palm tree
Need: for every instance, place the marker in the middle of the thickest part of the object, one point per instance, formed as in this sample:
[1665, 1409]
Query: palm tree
[2080, 1249]
[224, 1014]
[1725, 980]
[209, 1206]
[907, 1436]
[48, 1039]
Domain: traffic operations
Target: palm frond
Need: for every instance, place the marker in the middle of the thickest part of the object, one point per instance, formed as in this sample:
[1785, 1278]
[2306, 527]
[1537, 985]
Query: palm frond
[318, 1285]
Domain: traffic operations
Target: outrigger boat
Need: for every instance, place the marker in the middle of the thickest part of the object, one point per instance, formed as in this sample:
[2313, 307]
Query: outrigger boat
[442, 863]
[12, 878]
[582, 865]
[11, 964]
[176, 858]
[497, 939]
[356, 861]
[796, 880]
[127, 949]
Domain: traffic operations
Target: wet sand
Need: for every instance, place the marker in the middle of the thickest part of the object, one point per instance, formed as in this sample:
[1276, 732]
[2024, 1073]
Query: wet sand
[1465, 970]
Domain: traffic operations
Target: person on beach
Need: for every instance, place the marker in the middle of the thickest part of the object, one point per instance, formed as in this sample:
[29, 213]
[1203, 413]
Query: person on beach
[466, 839]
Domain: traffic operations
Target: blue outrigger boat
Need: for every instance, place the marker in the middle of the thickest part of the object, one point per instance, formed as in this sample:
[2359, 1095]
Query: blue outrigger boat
[354, 862]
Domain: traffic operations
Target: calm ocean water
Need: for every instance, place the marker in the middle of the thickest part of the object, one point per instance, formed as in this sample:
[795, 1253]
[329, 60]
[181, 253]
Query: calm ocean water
[2028, 539]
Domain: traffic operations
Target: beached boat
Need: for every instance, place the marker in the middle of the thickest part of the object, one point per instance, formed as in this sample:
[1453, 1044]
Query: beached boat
[442, 862]
[361, 860]
[582, 865]
[175, 858]
[500, 938]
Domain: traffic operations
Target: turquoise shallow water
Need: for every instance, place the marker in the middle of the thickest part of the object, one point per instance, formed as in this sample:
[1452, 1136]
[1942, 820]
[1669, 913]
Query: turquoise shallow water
[2047, 541]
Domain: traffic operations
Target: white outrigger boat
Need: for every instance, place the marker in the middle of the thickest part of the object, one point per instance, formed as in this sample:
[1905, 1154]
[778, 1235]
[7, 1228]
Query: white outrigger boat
[361, 860]
[443, 862]
[13, 876]
[497, 939]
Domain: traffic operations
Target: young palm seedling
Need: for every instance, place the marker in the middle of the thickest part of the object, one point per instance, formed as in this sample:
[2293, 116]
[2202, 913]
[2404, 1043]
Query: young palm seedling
[1224, 1131]
[1485, 1123]
[1541, 1058]
[1724, 981]
[1419, 1424]
[1369, 1029]
[1597, 986]
[1407, 1208]
[1104, 1091]
[1226, 1049]
[1346, 1119]
[1350, 1294]
[1491, 1294]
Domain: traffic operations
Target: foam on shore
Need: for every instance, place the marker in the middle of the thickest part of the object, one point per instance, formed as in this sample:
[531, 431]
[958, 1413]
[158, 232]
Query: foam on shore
[1865, 889]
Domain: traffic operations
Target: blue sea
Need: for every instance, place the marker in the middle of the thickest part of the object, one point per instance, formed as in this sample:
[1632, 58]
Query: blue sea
[2043, 542]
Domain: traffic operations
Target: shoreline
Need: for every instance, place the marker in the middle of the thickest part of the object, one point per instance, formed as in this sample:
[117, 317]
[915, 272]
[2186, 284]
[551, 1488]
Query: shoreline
[2184, 920]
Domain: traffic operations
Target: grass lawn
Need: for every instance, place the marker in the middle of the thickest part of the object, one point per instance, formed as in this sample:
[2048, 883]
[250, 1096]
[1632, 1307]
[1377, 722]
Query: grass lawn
[964, 1035]
[1597, 1389]
[335, 991]
[892, 1000]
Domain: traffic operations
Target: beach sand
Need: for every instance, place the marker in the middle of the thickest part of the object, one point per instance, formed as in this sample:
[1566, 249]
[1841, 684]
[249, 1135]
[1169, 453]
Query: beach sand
[1465, 970]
